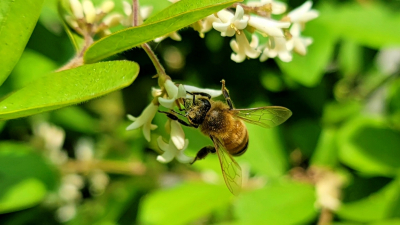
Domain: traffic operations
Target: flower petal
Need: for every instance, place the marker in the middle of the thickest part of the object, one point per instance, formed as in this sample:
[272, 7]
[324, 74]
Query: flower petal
[163, 145]
[181, 91]
[177, 135]
[146, 131]
[214, 93]
[167, 156]
[171, 88]
[182, 157]
[167, 103]
[221, 27]
[225, 16]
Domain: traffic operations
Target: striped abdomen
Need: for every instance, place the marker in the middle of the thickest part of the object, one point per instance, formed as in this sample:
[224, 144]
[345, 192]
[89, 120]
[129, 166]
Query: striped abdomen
[238, 139]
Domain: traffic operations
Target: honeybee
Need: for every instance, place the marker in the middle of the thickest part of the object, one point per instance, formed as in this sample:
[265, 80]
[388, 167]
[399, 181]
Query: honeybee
[224, 125]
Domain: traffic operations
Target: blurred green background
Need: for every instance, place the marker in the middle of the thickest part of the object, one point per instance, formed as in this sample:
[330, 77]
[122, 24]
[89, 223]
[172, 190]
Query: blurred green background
[337, 156]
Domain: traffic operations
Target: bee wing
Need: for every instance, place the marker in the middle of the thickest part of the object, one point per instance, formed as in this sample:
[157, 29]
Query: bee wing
[268, 116]
[231, 170]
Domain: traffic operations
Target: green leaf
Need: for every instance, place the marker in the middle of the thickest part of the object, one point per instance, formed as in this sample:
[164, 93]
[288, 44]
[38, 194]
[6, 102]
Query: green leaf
[175, 17]
[30, 67]
[375, 207]
[374, 25]
[25, 177]
[266, 153]
[387, 222]
[339, 112]
[278, 204]
[369, 146]
[68, 87]
[182, 204]
[74, 118]
[309, 69]
[22, 195]
[326, 151]
[17, 20]
[19, 162]
[350, 58]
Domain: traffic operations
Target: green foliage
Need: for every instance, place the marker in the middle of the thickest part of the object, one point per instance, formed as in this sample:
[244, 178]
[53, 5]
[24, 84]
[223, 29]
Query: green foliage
[345, 123]
[20, 187]
[173, 18]
[68, 87]
[369, 146]
[19, 17]
[157, 208]
[267, 205]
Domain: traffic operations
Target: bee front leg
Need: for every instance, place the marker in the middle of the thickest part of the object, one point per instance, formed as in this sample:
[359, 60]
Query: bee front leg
[203, 153]
[174, 117]
[226, 94]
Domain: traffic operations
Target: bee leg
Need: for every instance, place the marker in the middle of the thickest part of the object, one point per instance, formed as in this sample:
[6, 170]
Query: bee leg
[226, 94]
[203, 153]
[174, 117]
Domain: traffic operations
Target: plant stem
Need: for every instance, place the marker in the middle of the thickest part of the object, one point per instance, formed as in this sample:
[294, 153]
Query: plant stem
[160, 69]
[108, 166]
[78, 59]
[135, 11]
[146, 47]
[325, 218]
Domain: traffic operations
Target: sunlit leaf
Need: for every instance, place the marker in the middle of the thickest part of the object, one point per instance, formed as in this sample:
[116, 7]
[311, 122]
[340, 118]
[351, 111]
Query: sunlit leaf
[25, 177]
[369, 146]
[266, 153]
[68, 87]
[30, 67]
[325, 153]
[273, 204]
[22, 195]
[372, 24]
[17, 20]
[175, 17]
[375, 207]
[191, 204]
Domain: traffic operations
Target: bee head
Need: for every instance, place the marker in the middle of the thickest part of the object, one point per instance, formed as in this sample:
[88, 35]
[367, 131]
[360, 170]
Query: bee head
[196, 111]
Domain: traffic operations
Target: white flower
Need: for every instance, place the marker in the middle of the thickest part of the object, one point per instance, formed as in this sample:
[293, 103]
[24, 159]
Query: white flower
[276, 7]
[76, 8]
[242, 48]
[177, 134]
[113, 19]
[276, 47]
[230, 24]
[171, 152]
[66, 212]
[144, 120]
[84, 149]
[174, 93]
[174, 36]
[107, 6]
[52, 135]
[212, 92]
[268, 26]
[205, 25]
[303, 13]
[297, 42]
[89, 10]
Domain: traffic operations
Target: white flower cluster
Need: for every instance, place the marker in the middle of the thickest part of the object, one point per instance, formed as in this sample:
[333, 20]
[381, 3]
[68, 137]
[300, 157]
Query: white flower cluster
[169, 98]
[88, 20]
[283, 37]
[68, 196]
